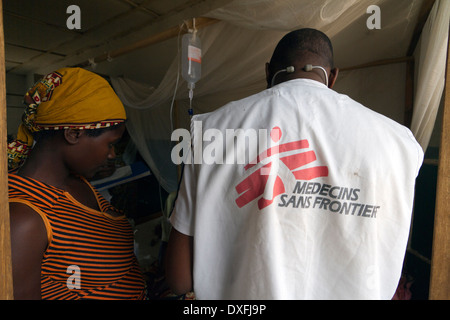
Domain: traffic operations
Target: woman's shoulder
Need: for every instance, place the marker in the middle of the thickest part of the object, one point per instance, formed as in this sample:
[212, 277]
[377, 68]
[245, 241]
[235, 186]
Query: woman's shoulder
[28, 189]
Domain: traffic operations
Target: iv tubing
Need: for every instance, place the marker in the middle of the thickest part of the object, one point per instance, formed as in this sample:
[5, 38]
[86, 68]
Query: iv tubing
[178, 78]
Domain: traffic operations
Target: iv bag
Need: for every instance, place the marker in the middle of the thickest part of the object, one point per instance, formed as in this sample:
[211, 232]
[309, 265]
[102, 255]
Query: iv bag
[191, 55]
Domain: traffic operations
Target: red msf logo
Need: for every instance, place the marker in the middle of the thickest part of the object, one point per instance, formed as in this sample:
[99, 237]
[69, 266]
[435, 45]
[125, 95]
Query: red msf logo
[254, 186]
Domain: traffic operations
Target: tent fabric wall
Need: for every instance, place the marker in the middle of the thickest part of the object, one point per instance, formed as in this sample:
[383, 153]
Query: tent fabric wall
[380, 88]
[431, 60]
[235, 50]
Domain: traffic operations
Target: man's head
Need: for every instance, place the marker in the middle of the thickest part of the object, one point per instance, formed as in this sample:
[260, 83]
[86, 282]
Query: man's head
[299, 48]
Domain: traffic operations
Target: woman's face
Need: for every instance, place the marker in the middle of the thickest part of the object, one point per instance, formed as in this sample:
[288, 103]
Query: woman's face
[91, 154]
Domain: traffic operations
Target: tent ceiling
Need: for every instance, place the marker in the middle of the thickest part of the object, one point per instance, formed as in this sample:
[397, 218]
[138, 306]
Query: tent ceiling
[38, 41]
[37, 38]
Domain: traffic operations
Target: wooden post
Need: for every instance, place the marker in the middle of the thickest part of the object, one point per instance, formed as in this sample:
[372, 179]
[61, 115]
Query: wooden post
[440, 261]
[157, 38]
[6, 288]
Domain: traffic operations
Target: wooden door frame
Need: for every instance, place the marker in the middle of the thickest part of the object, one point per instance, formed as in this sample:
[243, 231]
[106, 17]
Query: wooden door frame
[6, 285]
[440, 260]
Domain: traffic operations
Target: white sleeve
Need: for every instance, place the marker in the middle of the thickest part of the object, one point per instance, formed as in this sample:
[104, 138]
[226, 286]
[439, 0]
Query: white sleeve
[182, 218]
[418, 148]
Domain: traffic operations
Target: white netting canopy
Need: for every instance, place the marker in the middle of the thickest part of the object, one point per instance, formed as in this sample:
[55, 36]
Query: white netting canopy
[235, 50]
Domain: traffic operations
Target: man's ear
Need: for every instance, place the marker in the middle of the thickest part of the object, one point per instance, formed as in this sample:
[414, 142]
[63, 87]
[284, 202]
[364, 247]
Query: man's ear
[72, 136]
[332, 78]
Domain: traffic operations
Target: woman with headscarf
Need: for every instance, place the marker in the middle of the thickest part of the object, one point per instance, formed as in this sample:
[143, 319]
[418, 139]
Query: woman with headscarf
[67, 241]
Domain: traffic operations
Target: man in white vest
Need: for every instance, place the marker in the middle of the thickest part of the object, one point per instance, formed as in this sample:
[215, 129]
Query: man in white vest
[316, 202]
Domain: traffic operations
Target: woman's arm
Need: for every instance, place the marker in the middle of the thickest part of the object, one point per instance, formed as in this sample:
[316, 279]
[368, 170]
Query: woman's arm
[28, 244]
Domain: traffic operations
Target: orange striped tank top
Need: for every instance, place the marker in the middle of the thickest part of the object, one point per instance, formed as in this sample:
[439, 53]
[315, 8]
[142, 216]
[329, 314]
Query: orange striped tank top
[90, 254]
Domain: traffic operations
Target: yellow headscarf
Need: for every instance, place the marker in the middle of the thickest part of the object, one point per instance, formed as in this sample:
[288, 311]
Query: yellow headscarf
[66, 98]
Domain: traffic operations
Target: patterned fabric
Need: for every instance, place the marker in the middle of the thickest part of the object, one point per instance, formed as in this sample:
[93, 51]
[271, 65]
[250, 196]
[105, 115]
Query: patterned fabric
[100, 245]
[17, 153]
[66, 98]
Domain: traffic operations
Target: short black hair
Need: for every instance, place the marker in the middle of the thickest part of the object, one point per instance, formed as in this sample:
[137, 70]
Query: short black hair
[302, 42]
